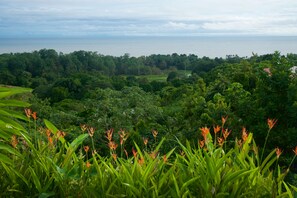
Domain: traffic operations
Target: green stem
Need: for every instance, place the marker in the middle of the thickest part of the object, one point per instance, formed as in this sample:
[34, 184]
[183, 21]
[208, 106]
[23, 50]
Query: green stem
[121, 151]
[263, 150]
[35, 139]
[93, 144]
[292, 162]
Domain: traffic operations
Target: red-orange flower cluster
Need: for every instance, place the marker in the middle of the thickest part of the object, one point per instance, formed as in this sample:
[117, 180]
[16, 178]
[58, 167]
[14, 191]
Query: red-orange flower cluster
[91, 131]
[112, 145]
[244, 134]
[226, 133]
[271, 123]
[30, 114]
[14, 141]
[145, 141]
[205, 132]
[221, 141]
[155, 133]
[278, 152]
[216, 129]
[86, 148]
[109, 134]
[123, 136]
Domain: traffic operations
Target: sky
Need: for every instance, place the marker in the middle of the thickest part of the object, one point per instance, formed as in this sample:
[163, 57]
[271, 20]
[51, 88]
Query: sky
[98, 18]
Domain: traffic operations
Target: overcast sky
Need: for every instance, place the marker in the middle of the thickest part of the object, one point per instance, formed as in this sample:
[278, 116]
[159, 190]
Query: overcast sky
[95, 18]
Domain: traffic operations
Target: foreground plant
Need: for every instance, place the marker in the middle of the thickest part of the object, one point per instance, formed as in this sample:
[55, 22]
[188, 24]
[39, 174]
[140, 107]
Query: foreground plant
[51, 166]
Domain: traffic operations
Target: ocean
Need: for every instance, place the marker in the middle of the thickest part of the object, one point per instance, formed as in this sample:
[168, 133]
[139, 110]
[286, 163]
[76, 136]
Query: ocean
[210, 46]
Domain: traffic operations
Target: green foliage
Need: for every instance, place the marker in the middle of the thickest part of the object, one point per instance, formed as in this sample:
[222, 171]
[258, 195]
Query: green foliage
[51, 166]
[132, 93]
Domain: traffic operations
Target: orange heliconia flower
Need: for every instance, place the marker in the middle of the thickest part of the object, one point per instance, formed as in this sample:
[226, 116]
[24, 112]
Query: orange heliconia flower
[91, 131]
[14, 141]
[94, 152]
[244, 135]
[141, 161]
[239, 142]
[224, 119]
[123, 134]
[112, 145]
[134, 152]
[221, 141]
[216, 129]
[34, 115]
[83, 127]
[201, 143]
[295, 150]
[126, 153]
[50, 140]
[145, 141]
[114, 156]
[204, 131]
[165, 158]
[226, 133]
[86, 148]
[155, 133]
[109, 134]
[28, 112]
[61, 134]
[48, 133]
[88, 164]
[271, 123]
[278, 152]
[153, 154]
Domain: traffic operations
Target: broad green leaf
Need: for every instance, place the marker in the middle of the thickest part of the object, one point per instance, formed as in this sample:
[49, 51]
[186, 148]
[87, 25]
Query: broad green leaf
[9, 149]
[46, 195]
[77, 141]
[176, 187]
[135, 191]
[9, 91]
[289, 192]
[72, 147]
[9, 123]
[187, 183]
[236, 175]
[293, 187]
[5, 159]
[50, 126]
[35, 179]
[54, 130]
[13, 114]
[13, 103]
[272, 153]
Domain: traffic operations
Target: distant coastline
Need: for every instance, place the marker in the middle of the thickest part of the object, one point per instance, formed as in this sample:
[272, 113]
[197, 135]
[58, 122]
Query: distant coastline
[210, 46]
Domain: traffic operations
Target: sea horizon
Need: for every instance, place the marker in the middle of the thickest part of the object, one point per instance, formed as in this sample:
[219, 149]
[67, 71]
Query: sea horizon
[208, 45]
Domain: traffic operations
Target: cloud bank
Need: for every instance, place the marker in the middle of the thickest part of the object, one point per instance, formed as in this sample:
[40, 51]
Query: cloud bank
[66, 18]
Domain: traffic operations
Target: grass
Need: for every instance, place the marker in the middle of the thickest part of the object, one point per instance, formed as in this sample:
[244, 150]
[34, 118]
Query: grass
[163, 77]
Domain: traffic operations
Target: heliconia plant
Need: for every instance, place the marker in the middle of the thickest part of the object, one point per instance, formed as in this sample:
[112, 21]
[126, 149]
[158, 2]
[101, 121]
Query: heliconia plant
[42, 163]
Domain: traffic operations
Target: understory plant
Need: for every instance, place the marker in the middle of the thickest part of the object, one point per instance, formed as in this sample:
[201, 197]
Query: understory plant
[40, 162]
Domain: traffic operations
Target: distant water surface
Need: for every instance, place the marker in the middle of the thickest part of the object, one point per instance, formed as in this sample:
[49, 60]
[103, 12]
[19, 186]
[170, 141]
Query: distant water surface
[138, 46]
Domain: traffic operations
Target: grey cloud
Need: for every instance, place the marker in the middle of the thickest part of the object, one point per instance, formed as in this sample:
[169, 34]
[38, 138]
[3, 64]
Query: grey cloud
[147, 17]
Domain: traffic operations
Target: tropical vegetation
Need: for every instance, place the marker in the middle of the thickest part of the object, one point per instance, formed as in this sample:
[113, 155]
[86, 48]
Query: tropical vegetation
[90, 125]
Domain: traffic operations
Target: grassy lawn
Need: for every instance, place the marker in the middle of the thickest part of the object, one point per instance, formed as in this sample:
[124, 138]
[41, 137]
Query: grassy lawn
[163, 77]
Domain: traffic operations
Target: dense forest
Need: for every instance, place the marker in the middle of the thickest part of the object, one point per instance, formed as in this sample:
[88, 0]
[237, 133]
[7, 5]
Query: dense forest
[159, 125]
[174, 94]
